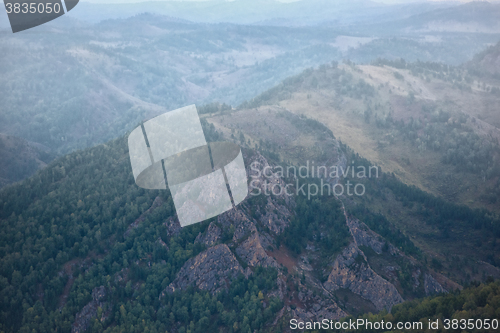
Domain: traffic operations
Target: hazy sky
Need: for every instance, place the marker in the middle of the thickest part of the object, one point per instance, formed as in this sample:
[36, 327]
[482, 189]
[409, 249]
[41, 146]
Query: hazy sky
[381, 1]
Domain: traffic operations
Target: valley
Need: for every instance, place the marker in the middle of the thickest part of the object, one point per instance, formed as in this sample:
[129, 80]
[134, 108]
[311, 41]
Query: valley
[410, 92]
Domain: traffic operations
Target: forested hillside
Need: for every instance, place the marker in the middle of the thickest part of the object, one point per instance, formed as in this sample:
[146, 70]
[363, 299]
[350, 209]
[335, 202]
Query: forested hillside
[432, 125]
[20, 159]
[84, 247]
[390, 89]
[478, 301]
[70, 85]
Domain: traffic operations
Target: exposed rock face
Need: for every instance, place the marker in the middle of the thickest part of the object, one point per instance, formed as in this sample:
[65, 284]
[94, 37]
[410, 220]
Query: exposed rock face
[276, 215]
[248, 240]
[211, 270]
[89, 311]
[252, 252]
[173, 226]
[351, 271]
[315, 307]
[238, 219]
[432, 286]
[363, 236]
[211, 236]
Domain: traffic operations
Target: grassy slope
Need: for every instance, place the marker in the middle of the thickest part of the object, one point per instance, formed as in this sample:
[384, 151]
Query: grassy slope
[424, 169]
[319, 95]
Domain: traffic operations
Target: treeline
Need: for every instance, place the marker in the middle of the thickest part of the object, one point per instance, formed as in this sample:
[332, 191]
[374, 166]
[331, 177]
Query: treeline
[328, 76]
[376, 221]
[443, 214]
[479, 68]
[453, 221]
[214, 108]
[477, 302]
[320, 221]
[451, 136]
[428, 69]
[66, 231]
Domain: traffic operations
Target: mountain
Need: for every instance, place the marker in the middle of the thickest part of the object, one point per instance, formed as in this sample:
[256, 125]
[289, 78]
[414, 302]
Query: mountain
[475, 301]
[20, 159]
[462, 19]
[470, 17]
[374, 187]
[86, 84]
[298, 13]
[434, 126]
[240, 11]
[84, 248]
[486, 63]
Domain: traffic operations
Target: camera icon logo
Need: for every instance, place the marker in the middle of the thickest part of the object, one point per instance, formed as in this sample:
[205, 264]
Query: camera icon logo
[205, 179]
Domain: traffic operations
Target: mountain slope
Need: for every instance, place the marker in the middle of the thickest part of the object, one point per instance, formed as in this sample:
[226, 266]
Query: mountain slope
[435, 127]
[20, 159]
[70, 85]
[76, 88]
[470, 17]
[86, 248]
[486, 63]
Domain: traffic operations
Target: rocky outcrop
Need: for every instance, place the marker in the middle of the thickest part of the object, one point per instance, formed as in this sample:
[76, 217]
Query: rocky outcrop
[431, 286]
[211, 236]
[211, 270]
[263, 179]
[83, 319]
[351, 271]
[276, 217]
[173, 226]
[364, 236]
[252, 252]
[248, 241]
[316, 306]
[237, 219]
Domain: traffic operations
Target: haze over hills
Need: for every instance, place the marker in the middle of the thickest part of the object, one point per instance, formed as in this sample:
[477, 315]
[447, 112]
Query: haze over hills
[89, 83]
[267, 12]
[434, 127]
[100, 253]
[83, 248]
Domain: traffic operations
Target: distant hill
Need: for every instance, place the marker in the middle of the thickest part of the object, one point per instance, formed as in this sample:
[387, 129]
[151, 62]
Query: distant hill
[80, 86]
[268, 12]
[20, 159]
[486, 63]
[85, 248]
[475, 16]
[70, 85]
[428, 123]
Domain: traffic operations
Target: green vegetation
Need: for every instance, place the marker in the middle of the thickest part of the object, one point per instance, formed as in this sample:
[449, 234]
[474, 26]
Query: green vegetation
[480, 301]
[319, 220]
[327, 77]
[66, 230]
[458, 226]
